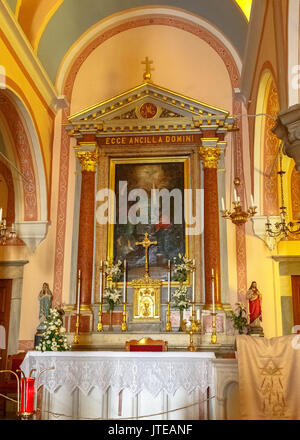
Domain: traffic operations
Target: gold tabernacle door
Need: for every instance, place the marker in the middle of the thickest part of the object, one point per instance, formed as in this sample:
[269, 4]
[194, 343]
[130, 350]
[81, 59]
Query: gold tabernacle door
[146, 299]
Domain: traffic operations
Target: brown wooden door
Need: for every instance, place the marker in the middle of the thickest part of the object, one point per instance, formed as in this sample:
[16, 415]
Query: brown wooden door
[296, 298]
[5, 298]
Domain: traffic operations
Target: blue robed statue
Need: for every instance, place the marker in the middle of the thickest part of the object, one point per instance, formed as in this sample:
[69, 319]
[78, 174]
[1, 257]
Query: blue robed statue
[45, 299]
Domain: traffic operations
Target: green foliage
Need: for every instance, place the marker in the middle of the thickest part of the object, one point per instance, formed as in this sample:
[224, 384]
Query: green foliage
[239, 317]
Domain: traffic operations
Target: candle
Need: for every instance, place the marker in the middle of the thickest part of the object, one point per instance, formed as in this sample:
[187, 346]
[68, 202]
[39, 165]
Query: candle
[213, 290]
[223, 204]
[101, 281]
[169, 280]
[125, 283]
[234, 195]
[198, 315]
[0, 215]
[193, 299]
[252, 200]
[78, 293]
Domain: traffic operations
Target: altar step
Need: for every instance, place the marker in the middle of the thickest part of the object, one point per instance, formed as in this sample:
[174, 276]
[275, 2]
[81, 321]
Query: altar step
[177, 341]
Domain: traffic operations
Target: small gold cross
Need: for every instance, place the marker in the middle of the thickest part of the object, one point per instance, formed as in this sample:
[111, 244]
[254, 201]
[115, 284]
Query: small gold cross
[146, 243]
[147, 73]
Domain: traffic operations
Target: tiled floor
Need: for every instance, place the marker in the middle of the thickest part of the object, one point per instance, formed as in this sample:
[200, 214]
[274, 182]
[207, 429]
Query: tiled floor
[11, 409]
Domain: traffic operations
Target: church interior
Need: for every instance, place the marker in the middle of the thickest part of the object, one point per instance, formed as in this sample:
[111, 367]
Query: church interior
[149, 209]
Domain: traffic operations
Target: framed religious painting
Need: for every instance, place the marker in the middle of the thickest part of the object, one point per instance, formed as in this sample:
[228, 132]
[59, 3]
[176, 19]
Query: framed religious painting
[149, 197]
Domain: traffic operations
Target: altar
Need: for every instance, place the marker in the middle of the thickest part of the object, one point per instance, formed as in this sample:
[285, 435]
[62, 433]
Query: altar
[123, 385]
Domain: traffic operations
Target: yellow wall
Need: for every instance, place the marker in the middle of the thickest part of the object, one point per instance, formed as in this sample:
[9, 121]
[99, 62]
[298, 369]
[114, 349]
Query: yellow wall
[40, 112]
[40, 266]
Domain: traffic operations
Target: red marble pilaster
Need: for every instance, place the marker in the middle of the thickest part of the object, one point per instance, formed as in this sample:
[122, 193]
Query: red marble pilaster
[88, 161]
[210, 153]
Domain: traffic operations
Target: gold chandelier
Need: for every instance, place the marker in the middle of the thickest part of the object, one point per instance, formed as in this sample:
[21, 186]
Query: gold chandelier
[238, 215]
[282, 229]
[5, 233]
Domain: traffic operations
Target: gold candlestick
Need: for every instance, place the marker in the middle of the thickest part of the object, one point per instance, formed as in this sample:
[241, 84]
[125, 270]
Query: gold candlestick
[194, 322]
[214, 339]
[193, 328]
[124, 323]
[76, 336]
[191, 347]
[168, 323]
[100, 325]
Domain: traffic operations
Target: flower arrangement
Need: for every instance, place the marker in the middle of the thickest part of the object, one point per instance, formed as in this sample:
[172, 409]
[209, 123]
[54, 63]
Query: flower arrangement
[239, 317]
[180, 299]
[112, 296]
[113, 270]
[182, 266]
[54, 338]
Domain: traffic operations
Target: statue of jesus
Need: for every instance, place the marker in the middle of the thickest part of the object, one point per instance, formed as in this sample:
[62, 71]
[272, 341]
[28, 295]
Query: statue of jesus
[254, 297]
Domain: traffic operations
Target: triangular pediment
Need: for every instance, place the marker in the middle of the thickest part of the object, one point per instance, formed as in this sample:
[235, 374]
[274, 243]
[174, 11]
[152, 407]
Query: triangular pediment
[149, 107]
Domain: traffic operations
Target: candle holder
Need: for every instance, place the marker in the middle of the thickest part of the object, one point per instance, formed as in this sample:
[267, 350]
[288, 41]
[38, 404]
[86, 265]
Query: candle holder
[76, 336]
[214, 339]
[124, 323]
[195, 324]
[191, 332]
[100, 325]
[168, 323]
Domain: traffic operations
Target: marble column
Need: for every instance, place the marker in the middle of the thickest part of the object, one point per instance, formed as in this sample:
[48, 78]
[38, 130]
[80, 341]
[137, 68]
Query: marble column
[210, 152]
[88, 160]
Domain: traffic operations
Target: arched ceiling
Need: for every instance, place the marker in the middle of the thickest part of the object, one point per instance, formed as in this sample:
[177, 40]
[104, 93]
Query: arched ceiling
[53, 26]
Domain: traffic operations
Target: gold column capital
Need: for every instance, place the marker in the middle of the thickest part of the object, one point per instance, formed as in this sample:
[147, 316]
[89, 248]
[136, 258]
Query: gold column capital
[210, 156]
[88, 160]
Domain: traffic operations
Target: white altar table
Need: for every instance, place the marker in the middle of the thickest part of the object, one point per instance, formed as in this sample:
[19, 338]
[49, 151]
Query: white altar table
[119, 385]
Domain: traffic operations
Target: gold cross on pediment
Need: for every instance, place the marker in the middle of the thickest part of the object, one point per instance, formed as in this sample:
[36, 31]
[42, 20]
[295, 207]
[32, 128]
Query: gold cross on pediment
[147, 73]
[146, 243]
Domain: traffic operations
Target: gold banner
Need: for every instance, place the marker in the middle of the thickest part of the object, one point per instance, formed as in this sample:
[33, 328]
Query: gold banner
[150, 140]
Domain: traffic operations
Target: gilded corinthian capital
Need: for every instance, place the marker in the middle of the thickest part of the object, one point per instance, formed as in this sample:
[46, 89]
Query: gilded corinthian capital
[210, 156]
[88, 160]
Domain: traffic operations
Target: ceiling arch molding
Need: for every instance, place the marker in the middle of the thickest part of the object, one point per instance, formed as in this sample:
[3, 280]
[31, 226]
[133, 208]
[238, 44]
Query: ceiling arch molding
[74, 17]
[143, 17]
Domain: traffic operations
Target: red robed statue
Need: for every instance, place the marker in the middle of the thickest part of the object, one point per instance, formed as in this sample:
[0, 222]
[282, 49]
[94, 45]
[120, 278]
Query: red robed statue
[254, 297]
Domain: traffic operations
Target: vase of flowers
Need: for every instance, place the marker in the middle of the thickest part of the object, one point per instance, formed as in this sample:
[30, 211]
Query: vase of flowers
[182, 266]
[112, 296]
[239, 317]
[181, 302]
[54, 338]
[113, 271]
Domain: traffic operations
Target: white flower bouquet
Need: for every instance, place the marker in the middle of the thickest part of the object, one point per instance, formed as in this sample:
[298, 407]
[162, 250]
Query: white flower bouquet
[112, 296]
[182, 266]
[180, 299]
[113, 270]
[54, 338]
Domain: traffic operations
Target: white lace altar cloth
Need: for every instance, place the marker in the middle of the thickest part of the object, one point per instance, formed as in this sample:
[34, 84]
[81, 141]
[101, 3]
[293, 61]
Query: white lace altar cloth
[121, 370]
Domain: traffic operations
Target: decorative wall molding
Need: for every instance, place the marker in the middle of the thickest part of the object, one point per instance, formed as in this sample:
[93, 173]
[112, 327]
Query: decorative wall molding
[256, 25]
[32, 233]
[259, 229]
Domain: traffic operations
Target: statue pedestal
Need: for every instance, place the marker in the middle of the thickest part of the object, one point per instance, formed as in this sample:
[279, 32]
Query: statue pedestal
[255, 331]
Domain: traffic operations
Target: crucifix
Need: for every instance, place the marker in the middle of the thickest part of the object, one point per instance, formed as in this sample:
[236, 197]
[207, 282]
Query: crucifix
[146, 243]
[147, 74]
